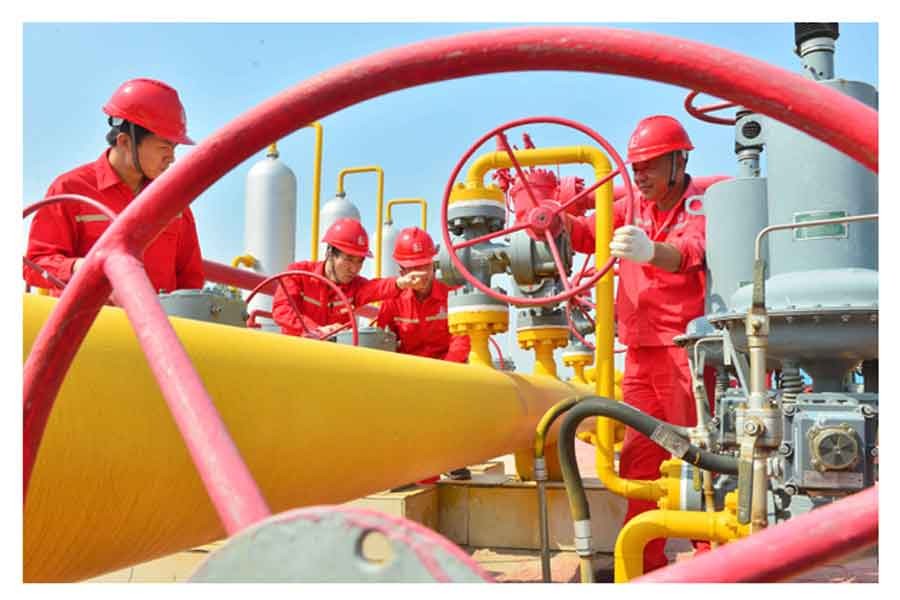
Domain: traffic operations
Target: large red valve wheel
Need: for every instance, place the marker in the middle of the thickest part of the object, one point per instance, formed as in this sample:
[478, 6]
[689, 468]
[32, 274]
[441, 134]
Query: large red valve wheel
[702, 112]
[55, 199]
[542, 217]
[310, 334]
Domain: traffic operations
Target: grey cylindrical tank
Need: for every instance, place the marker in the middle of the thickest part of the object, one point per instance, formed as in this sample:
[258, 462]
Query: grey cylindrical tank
[336, 208]
[389, 234]
[809, 180]
[271, 214]
[735, 212]
[270, 219]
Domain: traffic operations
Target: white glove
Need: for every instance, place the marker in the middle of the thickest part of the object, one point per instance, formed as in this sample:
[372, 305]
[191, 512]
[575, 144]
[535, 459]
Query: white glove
[632, 243]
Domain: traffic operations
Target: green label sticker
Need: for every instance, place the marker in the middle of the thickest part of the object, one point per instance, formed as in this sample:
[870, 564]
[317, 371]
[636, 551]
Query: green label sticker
[819, 232]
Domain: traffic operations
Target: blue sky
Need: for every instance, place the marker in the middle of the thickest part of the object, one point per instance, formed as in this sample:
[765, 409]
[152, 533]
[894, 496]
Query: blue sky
[222, 70]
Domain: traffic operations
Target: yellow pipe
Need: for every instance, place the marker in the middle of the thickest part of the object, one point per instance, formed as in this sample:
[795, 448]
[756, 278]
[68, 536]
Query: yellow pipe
[420, 201]
[603, 221]
[379, 206]
[316, 423]
[543, 360]
[638, 489]
[721, 526]
[578, 377]
[244, 260]
[317, 191]
[543, 340]
[480, 352]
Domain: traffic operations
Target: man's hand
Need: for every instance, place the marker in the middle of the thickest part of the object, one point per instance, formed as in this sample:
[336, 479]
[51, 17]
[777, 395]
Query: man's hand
[414, 280]
[77, 264]
[324, 331]
[632, 243]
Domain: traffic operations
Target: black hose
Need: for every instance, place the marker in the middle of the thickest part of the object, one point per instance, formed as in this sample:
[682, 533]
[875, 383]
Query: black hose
[660, 432]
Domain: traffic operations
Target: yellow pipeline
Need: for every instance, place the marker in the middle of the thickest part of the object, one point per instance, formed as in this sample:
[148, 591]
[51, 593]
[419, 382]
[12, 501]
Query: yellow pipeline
[420, 201]
[603, 221]
[317, 190]
[719, 526]
[379, 205]
[316, 423]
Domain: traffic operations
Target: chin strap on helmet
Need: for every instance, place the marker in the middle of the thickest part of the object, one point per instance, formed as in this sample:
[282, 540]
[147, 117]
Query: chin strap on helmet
[134, 157]
[117, 122]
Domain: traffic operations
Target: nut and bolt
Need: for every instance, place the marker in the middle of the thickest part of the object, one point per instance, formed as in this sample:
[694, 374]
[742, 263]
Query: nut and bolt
[867, 411]
[791, 489]
[785, 449]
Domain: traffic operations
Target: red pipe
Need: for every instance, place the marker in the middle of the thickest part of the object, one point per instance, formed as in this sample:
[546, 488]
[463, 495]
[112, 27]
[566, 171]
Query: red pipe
[233, 491]
[786, 550]
[239, 278]
[828, 115]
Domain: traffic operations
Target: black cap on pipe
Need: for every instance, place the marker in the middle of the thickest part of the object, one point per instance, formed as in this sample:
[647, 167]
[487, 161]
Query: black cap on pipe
[807, 31]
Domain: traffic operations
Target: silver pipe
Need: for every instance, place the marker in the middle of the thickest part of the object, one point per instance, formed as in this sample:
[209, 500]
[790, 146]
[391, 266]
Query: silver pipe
[545, 531]
[766, 230]
[759, 504]
[703, 413]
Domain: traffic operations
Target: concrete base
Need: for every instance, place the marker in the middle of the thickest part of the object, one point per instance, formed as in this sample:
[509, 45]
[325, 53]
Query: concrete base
[496, 510]
[494, 518]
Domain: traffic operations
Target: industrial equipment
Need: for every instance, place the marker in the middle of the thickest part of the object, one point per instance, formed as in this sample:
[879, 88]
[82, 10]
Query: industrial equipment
[791, 311]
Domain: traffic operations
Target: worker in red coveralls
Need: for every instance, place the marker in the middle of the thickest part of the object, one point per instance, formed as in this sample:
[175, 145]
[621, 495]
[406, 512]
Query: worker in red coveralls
[662, 283]
[147, 122]
[323, 312]
[419, 316]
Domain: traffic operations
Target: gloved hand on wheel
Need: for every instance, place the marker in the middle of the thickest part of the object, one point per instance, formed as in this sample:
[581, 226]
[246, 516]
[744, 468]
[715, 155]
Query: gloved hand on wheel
[633, 243]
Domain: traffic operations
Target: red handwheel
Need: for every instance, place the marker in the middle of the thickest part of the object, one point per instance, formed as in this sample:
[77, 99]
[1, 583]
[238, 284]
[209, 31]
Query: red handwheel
[43, 273]
[540, 218]
[310, 334]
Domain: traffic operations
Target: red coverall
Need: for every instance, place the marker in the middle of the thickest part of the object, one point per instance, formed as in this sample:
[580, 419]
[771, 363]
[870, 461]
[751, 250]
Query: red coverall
[652, 307]
[318, 303]
[421, 326]
[63, 232]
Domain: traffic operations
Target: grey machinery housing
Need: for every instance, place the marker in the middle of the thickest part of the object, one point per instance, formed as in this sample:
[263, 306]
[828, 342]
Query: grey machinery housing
[821, 289]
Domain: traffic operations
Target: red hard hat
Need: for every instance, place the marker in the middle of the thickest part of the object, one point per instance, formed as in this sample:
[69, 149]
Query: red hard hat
[414, 248]
[153, 105]
[655, 136]
[349, 236]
